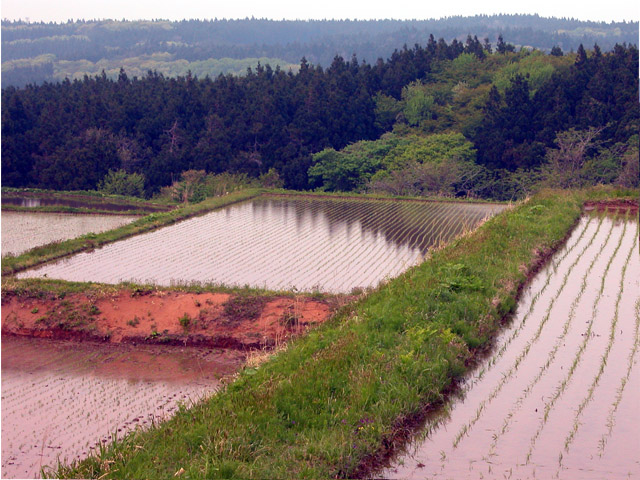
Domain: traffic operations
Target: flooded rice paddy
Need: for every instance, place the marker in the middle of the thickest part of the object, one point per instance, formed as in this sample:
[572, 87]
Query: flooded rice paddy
[22, 231]
[559, 397]
[76, 201]
[332, 245]
[62, 399]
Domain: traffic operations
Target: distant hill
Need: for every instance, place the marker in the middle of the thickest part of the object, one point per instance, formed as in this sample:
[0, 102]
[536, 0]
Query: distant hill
[38, 52]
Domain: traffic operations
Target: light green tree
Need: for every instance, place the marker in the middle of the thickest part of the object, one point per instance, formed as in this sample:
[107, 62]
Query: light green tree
[119, 182]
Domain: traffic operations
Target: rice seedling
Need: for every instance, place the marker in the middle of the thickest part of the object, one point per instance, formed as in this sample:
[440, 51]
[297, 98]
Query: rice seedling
[578, 355]
[508, 374]
[605, 355]
[552, 353]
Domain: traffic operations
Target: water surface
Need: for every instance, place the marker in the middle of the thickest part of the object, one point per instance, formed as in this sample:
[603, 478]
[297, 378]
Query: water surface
[61, 399]
[559, 396]
[275, 243]
[22, 231]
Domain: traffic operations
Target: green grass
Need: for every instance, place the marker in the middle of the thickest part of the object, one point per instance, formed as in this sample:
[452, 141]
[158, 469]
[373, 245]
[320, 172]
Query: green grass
[336, 397]
[150, 222]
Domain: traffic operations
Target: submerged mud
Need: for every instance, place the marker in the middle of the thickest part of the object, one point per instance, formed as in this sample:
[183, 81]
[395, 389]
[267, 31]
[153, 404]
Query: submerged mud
[548, 403]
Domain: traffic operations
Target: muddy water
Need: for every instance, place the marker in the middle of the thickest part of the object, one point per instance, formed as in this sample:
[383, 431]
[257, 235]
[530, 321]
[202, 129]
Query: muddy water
[22, 231]
[61, 399]
[559, 396]
[330, 245]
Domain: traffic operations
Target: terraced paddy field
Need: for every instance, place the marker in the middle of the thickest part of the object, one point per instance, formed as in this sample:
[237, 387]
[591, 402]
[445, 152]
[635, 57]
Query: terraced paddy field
[559, 396]
[62, 400]
[303, 243]
[22, 231]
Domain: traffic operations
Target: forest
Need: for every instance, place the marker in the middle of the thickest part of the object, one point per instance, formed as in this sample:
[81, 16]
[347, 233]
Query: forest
[38, 52]
[464, 118]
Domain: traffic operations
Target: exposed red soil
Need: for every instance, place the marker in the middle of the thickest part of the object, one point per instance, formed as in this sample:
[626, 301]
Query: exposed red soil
[613, 206]
[208, 319]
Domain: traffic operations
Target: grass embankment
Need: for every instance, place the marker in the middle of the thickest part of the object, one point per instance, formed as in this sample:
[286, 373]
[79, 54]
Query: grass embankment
[150, 222]
[334, 401]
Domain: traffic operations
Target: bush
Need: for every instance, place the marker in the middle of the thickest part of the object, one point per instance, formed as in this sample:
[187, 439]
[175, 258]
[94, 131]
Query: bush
[119, 182]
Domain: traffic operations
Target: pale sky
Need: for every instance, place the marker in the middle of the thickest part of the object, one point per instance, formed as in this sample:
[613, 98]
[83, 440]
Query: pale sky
[63, 10]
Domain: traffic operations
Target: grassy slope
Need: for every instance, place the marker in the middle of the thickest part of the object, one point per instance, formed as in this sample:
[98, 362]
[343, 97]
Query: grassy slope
[333, 398]
[150, 222]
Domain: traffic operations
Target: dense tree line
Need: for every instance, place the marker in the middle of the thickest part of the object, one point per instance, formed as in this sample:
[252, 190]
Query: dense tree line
[70, 135]
[599, 90]
[317, 40]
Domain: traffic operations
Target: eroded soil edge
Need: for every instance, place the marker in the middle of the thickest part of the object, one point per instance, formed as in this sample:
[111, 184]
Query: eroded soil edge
[220, 320]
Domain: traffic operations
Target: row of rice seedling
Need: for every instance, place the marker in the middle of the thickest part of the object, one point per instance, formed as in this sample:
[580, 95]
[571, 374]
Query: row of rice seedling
[631, 360]
[513, 393]
[515, 330]
[509, 372]
[327, 256]
[563, 383]
[22, 231]
[63, 402]
[560, 341]
[605, 356]
[306, 244]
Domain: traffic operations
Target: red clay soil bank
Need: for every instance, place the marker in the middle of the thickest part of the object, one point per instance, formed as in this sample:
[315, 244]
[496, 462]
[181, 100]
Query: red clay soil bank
[614, 205]
[206, 319]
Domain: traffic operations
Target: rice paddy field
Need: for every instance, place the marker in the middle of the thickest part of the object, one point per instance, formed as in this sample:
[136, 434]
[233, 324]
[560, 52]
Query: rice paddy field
[559, 395]
[305, 244]
[22, 231]
[556, 397]
[63, 400]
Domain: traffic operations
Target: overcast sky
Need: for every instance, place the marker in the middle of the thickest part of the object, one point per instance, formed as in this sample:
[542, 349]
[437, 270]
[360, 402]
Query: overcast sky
[62, 10]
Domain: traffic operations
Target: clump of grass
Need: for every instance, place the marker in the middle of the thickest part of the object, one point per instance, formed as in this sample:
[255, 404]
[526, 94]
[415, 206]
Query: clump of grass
[290, 319]
[244, 307]
[185, 321]
[134, 322]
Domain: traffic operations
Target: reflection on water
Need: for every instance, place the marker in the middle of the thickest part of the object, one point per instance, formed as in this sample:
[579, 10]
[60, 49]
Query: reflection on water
[94, 203]
[64, 398]
[307, 244]
[402, 223]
